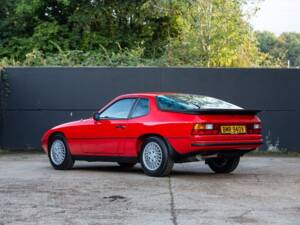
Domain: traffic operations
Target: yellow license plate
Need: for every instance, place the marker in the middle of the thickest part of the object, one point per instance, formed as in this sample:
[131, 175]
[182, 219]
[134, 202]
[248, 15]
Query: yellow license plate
[233, 129]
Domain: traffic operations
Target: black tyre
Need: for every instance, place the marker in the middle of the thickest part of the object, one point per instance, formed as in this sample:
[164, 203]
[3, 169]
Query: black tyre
[126, 165]
[154, 157]
[223, 165]
[59, 153]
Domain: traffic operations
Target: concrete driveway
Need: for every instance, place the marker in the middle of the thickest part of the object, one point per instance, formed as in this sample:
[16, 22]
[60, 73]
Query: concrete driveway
[261, 191]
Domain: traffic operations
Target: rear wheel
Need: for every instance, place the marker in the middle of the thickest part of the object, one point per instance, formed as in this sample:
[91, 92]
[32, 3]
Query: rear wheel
[59, 153]
[126, 165]
[223, 165]
[154, 157]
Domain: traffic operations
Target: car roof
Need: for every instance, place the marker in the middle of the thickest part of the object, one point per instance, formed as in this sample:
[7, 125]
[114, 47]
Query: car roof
[145, 94]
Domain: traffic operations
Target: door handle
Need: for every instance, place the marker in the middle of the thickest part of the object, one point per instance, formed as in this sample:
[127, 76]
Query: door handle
[120, 126]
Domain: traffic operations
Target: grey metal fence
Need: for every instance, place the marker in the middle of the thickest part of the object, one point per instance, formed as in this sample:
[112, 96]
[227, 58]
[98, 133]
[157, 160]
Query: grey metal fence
[43, 97]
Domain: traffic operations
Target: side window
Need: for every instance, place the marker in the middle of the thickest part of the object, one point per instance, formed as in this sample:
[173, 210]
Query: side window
[119, 109]
[142, 108]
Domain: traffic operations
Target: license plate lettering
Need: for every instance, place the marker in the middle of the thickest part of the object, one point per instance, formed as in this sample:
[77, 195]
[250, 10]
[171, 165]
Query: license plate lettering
[233, 129]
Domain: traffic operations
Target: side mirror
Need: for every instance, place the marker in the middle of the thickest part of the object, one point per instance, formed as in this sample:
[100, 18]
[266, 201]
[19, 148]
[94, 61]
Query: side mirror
[96, 116]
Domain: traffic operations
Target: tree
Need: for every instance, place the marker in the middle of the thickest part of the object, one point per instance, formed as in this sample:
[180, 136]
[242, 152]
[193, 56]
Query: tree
[282, 49]
[266, 41]
[84, 25]
[215, 34]
[290, 44]
[139, 32]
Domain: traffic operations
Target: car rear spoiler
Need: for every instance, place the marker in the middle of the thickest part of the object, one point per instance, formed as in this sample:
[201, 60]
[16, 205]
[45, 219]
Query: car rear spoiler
[224, 111]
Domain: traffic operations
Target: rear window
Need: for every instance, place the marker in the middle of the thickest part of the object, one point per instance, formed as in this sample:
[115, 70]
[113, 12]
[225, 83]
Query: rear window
[186, 102]
[142, 108]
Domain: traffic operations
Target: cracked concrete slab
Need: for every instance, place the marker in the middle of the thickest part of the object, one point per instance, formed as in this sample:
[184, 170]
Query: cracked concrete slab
[261, 191]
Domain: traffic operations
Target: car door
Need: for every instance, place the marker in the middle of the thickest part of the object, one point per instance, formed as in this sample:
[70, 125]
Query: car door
[138, 124]
[105, 136]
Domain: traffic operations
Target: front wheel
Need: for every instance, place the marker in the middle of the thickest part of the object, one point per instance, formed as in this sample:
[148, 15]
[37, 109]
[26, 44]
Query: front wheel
[154, 157]
[223, 165]
[59, 154]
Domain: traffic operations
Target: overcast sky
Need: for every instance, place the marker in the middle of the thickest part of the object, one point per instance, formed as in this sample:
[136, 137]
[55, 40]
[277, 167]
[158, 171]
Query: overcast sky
[278, 16]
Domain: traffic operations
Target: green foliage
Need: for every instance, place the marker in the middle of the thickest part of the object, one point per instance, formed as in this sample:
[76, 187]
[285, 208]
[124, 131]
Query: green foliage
[266, 41]
[85, 26]
[281, 49]
[208, 33]
[123, 57]
[215, 35]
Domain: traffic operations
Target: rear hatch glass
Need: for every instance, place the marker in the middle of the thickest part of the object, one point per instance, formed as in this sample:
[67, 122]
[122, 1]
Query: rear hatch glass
[188, 102]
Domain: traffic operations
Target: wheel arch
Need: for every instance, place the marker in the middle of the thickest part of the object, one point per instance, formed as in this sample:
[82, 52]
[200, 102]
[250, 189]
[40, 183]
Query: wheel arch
[55, 133]
[141, 138]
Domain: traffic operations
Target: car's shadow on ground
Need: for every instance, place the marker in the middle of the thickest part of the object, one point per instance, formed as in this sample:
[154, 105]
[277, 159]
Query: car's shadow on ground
[108, 168]
[176, 172]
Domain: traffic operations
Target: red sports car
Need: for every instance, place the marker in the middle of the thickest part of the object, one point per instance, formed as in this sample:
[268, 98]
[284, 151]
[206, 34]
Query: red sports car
[158, 130]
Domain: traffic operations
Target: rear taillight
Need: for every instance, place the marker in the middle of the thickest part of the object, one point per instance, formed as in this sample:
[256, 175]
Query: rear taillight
[205, 128]
[209, 128]
[254, 128]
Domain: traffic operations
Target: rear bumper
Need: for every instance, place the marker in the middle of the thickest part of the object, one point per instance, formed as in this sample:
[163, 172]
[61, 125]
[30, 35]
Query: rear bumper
[207, 143]
[216, 144]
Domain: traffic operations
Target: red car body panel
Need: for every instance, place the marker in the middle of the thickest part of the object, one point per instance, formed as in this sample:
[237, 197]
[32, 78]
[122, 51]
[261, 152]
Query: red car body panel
[123, 138]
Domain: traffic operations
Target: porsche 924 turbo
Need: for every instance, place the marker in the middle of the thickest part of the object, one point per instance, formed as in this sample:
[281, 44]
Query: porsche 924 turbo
[158, 130]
